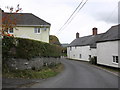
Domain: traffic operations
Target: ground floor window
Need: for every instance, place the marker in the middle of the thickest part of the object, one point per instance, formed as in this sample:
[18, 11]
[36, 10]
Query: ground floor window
[80, 56]
[115, 59]
[70, 48]
[10, 30]
[74, 56]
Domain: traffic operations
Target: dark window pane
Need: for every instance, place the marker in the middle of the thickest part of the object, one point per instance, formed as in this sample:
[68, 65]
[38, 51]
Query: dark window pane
[89, 57]
[80, 56]
[113, 58]
[116, 59]
[38, 30]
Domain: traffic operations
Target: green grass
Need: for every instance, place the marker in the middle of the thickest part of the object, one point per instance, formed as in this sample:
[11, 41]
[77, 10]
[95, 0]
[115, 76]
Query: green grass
[112, 69]
[46, 72]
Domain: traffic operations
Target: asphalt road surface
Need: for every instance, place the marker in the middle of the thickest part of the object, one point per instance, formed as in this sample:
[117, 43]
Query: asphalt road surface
[79, 74]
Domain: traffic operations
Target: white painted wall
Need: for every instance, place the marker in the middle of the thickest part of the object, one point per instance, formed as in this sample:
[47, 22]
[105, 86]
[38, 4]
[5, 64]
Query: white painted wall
[85, 51]
[68, 52]
[93, 52]
[28, 32]
[106, 51]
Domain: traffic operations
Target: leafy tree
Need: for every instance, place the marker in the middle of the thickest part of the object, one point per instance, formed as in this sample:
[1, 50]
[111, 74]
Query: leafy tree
[54, 40]
[8, 21]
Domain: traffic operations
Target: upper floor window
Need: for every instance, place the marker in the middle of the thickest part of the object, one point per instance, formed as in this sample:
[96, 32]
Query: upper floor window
[37, 30]
[89, 57]
[10, 30]
[115, 59]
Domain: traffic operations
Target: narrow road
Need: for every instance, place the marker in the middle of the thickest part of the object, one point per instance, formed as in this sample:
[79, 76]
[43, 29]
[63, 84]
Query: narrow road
[80, 75]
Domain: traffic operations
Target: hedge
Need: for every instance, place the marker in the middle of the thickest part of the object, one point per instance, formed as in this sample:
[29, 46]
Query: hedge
[26, 48]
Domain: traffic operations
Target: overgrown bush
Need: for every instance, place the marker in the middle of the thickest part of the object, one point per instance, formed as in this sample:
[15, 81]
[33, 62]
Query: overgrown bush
[27, 49]
[7, 43]
[93, 60]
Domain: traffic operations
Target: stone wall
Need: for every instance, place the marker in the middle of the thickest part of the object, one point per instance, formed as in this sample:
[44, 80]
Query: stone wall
[35, 63]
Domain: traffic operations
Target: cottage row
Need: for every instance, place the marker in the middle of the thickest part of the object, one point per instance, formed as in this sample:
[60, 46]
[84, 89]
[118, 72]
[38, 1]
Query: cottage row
[103, 47]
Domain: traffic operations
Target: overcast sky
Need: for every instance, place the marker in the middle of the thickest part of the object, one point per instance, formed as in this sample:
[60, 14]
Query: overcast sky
[96, 13]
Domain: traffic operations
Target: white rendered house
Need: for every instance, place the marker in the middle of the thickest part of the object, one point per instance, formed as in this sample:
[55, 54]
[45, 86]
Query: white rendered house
[27, 26]
[104, 47]
[108, 46]
[83, 48]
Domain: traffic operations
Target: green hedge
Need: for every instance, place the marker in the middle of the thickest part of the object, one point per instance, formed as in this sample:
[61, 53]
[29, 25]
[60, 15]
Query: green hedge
[26, 48]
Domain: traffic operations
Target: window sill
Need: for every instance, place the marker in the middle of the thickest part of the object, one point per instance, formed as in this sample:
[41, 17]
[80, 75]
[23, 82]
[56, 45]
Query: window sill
[11, 33]
[115, 63]
[37, 33]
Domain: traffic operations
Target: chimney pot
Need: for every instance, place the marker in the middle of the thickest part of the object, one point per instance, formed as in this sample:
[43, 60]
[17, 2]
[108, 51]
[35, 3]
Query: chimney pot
[94, 31]
[77, 35]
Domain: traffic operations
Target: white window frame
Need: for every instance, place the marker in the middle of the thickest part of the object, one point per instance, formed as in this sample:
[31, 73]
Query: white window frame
[10, 31]
[114, 59]
[37, 30]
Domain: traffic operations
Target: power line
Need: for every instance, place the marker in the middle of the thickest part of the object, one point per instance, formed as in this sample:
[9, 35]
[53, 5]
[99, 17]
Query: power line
[72, 16]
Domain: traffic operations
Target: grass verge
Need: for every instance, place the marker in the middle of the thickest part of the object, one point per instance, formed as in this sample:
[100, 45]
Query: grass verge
[112, 69]
[46, 72]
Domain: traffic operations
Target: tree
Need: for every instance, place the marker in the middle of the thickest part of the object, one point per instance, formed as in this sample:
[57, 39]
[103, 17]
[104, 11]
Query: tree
[54, 40]
[8, 20]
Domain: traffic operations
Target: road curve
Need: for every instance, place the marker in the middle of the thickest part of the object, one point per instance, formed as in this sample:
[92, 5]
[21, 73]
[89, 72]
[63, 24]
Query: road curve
[79, 75]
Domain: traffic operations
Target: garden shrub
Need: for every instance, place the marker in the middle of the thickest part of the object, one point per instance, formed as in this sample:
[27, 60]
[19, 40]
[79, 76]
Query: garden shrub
[27, 49]
[93, 60]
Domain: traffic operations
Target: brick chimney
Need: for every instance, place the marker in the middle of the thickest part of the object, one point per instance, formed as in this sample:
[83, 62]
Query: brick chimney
[77, 35]
[94, 31]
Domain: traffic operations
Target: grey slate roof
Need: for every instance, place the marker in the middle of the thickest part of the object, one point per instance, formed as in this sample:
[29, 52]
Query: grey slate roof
[87, 40]
[27, 19]
[112, 34]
